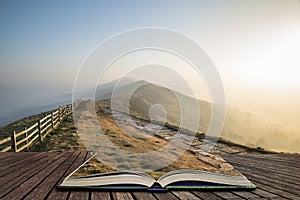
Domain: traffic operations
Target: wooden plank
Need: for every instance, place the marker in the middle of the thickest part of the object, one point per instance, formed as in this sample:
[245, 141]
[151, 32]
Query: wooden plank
[42, 120]
[59, 194]
[12, 171]
[270, 163]
[287, 158]
[56, 120]
[29, 171]
[79, 195]
[269, 187]
[16, 159]
[42, 190]
[266, 188]
[32, 133]
[185, 195]
[165, 196]
[122, 195]
[264, 167]
[282, 194]
[268, 175]
[264, 194]
[100, 196]
[28, 181]
[22, 148]
[6, 149]
[55, 112]
[6, 155]
[33, 140]
[267, 181]
[291, 177]
[21, 133]
[21, 141]
[143, 196]
[49, 120]
[8, 139]
[54, 116]
[246, 194]
[291, 165]
[206, 195]
[285, 181]
[12, 160]
[13, 155]
[45, 123]
[227, 195]
[32, 127]
[46, 128]
[273, 184]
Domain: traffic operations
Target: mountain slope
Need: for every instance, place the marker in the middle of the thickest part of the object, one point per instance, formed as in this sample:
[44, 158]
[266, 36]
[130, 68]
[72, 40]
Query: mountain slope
[178, 108]
[240, 126]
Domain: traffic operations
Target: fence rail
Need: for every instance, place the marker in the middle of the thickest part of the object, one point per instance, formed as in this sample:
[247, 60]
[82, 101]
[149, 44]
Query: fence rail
[37, 132]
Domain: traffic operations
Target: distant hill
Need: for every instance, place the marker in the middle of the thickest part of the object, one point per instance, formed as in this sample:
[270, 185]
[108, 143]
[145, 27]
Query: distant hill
[240, 126]
[148, 94]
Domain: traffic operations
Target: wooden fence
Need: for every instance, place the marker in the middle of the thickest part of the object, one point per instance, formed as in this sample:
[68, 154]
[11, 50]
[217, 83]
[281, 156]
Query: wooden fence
[37, 132]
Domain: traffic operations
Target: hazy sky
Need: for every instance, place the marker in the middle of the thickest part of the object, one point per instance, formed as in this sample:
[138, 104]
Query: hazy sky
[254, 44]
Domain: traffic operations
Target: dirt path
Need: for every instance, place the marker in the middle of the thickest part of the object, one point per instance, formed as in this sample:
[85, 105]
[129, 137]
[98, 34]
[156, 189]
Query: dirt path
[141, 140]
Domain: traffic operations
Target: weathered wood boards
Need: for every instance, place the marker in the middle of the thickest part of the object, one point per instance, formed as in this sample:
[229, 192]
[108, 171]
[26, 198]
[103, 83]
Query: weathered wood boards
[30, 175]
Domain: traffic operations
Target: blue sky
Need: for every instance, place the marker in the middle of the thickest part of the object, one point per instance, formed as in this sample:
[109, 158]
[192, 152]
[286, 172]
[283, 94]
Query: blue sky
[44, 42]
[53, 37]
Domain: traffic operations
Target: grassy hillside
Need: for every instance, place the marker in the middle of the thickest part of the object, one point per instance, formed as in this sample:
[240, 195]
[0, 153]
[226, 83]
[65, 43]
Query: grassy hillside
[19, 125]
[177, 107]
[240, 126]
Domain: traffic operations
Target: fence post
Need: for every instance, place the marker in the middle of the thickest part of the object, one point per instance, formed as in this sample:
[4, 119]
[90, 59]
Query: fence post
[26, 135]
[40, 130]
[14, 141]
[52, 120]
[63, 112]
[59, 113]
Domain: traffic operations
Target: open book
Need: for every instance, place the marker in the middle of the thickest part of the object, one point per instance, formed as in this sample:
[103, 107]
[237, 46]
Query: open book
[191, 169]
[134, 180]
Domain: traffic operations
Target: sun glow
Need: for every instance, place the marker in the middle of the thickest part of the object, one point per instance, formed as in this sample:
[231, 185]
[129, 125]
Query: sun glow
[279, 66]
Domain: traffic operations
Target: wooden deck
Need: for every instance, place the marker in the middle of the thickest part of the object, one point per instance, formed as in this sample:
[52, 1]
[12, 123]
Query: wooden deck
[29, 175]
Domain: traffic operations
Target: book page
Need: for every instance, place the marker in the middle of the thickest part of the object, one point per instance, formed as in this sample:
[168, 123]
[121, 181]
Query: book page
[193, 158]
